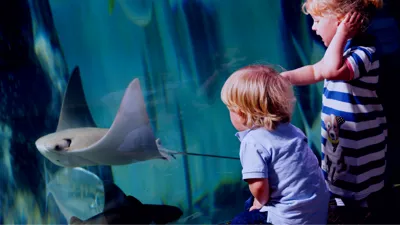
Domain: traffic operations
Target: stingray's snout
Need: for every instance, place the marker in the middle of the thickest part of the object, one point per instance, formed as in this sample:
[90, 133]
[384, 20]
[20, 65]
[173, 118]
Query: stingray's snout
[40, 145]
[43, 148]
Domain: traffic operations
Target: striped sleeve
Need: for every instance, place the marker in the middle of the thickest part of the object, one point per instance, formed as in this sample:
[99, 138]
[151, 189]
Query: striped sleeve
[361, 60]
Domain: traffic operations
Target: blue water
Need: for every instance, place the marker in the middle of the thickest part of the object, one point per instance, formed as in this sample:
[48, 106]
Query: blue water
[181, 51]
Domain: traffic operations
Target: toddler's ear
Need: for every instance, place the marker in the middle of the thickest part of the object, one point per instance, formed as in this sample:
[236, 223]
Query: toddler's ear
[242, 116]
[340, 19]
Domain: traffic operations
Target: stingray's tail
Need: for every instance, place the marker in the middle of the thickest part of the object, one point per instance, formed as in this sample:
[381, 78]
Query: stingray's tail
[169, 154]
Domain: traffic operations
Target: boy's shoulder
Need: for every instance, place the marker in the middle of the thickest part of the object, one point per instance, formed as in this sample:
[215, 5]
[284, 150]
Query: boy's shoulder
[283, 133]
[364, 44]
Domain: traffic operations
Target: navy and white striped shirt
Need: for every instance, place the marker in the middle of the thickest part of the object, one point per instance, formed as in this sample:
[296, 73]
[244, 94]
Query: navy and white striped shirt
[354, 130]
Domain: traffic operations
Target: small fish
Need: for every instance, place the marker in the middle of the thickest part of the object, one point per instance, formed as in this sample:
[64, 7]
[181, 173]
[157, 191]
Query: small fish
[84, 199]
[76, 192]
[130, 211]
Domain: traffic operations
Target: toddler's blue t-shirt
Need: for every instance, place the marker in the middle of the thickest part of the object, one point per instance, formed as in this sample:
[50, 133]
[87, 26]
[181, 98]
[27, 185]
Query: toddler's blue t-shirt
[298, 193]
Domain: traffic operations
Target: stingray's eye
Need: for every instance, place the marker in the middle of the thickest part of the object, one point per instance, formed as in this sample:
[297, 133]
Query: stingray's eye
[65, 143]
[68, 141]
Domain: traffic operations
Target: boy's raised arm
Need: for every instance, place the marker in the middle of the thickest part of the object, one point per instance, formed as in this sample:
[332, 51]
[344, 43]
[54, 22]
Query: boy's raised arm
[332, 66]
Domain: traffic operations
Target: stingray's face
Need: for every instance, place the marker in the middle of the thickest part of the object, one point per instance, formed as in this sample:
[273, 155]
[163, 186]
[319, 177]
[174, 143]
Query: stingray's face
[54, 147]
[57, 148]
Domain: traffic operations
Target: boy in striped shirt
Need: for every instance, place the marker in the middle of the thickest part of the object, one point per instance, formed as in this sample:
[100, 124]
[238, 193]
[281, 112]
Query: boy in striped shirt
[352, 119]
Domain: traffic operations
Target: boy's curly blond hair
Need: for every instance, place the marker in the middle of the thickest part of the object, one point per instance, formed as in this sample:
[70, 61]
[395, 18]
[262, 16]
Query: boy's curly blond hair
[340, 8]
[259, 95]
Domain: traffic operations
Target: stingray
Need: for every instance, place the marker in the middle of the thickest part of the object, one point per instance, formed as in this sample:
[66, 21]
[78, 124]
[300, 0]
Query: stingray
[78, 142]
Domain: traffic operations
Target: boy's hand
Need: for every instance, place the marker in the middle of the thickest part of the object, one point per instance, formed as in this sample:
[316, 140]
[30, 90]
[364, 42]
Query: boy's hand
[350, 25]
[256, 205]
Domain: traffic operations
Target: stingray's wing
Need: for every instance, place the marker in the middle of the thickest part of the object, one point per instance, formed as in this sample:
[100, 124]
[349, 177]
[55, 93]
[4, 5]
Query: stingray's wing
[74, 111]
[132, 112]
[130, 137]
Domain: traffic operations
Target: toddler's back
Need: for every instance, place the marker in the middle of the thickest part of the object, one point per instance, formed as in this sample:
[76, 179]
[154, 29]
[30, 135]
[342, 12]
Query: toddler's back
[298, 193]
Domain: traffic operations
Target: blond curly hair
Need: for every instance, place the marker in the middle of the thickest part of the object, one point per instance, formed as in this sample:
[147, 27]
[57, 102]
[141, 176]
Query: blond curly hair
[340, 8]
[260, 96]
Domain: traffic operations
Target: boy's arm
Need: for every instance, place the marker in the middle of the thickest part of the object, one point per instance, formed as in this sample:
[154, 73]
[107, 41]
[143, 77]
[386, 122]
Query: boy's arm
[259, 188]
[332, 66]
[303, 76]
[253, 158]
